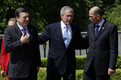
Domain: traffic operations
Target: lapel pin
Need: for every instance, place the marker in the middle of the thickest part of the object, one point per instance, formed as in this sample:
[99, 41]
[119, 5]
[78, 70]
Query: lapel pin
[102, 27]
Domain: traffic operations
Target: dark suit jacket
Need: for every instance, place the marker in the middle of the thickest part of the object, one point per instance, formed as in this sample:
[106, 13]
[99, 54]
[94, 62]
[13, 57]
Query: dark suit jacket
[103, 49]
[59, 57]
[23, 57]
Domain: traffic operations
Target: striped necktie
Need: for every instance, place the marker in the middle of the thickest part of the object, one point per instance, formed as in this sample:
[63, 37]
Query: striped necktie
[96, 30]
[65, 36]
[24, 31]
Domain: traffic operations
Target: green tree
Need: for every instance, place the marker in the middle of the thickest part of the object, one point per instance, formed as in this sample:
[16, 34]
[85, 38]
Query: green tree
[114, 15]
[44, 12]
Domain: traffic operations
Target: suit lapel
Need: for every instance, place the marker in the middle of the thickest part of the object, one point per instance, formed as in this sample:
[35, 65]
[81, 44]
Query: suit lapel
[73, 30]
[92, 33]
[29, 29]
[17, 30]
[103, 28]
[73, 33]
[60, 33]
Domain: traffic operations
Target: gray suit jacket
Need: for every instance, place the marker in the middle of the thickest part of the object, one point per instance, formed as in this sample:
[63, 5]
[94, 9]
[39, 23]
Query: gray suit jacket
[103, 49]
[23, 57]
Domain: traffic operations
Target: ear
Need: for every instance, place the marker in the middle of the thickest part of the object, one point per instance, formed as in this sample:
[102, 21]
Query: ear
[17, 18]
[98, 16]
[61, 15]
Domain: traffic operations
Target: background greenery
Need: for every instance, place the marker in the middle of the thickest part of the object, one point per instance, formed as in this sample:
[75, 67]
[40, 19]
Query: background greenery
[43, 12]
[80, 60]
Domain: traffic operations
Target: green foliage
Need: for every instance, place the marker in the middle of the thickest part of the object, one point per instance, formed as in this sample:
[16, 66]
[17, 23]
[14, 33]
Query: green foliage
[43, 62]
[3, 78]
[42, 74]
[114, 15]
[44, 12]
[80, 60]
[116, 75]
[79, 74]
[118, 64]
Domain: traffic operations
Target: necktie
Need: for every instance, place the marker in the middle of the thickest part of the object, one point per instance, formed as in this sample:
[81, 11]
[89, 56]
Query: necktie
[65, 36]
[24, 31]
[96, 30]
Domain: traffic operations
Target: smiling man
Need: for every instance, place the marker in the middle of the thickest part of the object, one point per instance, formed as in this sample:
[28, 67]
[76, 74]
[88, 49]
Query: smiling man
[21, 40]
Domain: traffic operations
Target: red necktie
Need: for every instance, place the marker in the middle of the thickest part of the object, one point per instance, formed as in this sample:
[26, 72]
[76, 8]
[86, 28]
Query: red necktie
[24, 31]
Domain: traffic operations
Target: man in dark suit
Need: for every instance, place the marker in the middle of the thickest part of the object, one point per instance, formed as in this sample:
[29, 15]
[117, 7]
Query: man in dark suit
[103, 47]
[21, 40]
[61, 56]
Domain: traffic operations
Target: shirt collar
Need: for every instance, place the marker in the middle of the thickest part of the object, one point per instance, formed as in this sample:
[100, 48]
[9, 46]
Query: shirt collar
[20, 27]
[101, 23]
[63, 25]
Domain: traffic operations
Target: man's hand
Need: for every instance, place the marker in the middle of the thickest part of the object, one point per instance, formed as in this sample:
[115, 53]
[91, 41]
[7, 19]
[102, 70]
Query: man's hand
[24, 39]
[110, 71]
[3, 73]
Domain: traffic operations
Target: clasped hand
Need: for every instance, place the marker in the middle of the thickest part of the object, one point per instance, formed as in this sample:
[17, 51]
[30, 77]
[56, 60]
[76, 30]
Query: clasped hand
[24, 39]
[3, 73]
[110, 71]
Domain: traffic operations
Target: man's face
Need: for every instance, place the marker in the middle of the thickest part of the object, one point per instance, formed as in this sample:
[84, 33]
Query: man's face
[93, 18]
[67, 17]
[23, 20]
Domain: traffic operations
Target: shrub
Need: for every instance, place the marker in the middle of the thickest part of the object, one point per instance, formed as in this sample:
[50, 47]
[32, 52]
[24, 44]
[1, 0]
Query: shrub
[79, 74]
[116, 75]
[118, 64]
[42, 74]
[80, 60]
[43, 62]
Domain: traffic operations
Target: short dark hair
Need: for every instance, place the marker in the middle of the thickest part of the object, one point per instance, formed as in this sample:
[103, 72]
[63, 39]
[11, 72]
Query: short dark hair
[98, 11]
[19, 10]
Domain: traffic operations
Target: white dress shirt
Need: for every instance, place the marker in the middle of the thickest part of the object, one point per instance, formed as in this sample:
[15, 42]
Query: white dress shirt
[69, 31]
[21, 28]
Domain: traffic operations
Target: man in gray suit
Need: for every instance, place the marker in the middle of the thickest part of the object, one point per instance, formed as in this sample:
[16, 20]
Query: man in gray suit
[103, 47]
[21, 40]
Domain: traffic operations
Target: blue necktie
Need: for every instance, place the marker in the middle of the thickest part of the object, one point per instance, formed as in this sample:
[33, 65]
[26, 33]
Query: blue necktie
[96, 30]
[65, 36]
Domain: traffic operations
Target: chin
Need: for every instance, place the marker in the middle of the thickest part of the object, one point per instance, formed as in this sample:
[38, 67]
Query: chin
[68, 23]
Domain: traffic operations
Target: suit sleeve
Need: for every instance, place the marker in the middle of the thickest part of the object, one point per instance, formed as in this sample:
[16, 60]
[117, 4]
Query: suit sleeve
[81, 43]
[8, 42]
[113, 47]
[44, 36]
[38, 58]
